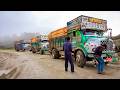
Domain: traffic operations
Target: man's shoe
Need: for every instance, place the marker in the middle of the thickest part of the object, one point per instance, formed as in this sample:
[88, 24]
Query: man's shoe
[99, 73]
[72, 71]
[102, 73]
[66, 70]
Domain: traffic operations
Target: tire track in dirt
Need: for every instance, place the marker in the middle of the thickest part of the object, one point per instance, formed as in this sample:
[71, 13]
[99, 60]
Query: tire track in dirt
[25, 65]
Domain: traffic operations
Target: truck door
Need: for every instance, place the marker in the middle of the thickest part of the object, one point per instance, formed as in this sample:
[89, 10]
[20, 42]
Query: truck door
[72, 35]
[75, 38]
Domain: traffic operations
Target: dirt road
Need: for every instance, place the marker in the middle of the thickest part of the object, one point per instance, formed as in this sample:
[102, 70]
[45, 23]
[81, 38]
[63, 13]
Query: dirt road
[25, 65]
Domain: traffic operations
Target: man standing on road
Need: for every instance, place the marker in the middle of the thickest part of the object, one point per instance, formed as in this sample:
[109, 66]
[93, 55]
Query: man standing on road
[100, 60]
[68, 56]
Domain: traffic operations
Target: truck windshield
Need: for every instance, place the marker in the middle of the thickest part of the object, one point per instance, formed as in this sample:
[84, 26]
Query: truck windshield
[88, 32]
[44, 41]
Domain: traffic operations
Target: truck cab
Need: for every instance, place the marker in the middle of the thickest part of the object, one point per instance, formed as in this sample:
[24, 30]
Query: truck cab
[40, 44]
[44, 46]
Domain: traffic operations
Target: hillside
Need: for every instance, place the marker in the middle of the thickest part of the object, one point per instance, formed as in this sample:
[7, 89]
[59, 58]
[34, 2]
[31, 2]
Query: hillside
[116, 40]
[116, 37]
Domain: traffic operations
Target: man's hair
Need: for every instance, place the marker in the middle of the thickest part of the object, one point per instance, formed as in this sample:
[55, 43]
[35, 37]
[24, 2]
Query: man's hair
[67, 38]
[104, 45]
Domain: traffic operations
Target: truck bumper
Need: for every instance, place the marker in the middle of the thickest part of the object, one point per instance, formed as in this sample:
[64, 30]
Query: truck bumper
[90, 55]
[112, 59]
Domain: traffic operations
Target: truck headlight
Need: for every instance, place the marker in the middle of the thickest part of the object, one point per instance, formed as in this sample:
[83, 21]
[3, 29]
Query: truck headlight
[93, 49]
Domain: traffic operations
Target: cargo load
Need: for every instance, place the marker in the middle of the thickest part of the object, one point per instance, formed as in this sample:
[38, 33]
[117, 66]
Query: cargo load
[58, 33]
[34, 39]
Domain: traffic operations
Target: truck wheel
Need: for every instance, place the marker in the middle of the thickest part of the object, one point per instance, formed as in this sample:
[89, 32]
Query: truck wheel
[33, 50]
[41, 52]
[55, 54]
[80, 59]
[23, 50]
[17, 50]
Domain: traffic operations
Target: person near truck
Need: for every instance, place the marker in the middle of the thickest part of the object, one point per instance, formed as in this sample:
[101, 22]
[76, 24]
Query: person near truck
[68, 54]
[99, 59]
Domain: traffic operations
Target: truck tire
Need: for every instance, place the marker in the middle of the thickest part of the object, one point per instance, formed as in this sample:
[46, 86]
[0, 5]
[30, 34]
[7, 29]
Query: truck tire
[55, 54]
[17, 50]
[80, 59]
[33, 50]
[23, 50]
[41, 52]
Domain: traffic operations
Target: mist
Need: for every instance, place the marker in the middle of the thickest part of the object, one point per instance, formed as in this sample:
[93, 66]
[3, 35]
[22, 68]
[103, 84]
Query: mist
[8, 41]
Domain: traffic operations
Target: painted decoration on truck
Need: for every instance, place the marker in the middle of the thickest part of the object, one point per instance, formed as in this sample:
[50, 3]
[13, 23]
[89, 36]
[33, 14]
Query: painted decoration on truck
[85, 22]
[74, 24]
[44, 37]
[93, 23]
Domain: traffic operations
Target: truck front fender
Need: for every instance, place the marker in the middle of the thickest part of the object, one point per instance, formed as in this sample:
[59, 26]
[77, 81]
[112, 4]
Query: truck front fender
[81, 49]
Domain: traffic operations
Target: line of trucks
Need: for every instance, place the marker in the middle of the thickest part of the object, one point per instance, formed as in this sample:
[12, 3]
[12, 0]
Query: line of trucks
[37, 44]
[86, 34]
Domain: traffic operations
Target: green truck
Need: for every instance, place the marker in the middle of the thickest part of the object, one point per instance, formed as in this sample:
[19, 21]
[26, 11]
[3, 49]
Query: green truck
[86, 34]
[40, 45]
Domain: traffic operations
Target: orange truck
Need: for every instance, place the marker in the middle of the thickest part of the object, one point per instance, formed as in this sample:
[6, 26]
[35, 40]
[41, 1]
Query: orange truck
[34, 39]
[34, 44]
[58, 33]
[56, 41]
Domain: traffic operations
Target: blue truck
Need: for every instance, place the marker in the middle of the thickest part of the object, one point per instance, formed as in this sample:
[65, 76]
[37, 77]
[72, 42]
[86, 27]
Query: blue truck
[19, 45]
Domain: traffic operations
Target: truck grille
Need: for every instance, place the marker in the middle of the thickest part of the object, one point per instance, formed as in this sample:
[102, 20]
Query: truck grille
[108, 43]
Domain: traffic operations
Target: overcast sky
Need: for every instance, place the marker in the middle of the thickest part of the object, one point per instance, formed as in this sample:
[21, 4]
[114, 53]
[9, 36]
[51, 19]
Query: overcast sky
[43, 22]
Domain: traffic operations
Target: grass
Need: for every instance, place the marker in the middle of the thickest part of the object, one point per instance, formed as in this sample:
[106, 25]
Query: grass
[6, 48]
